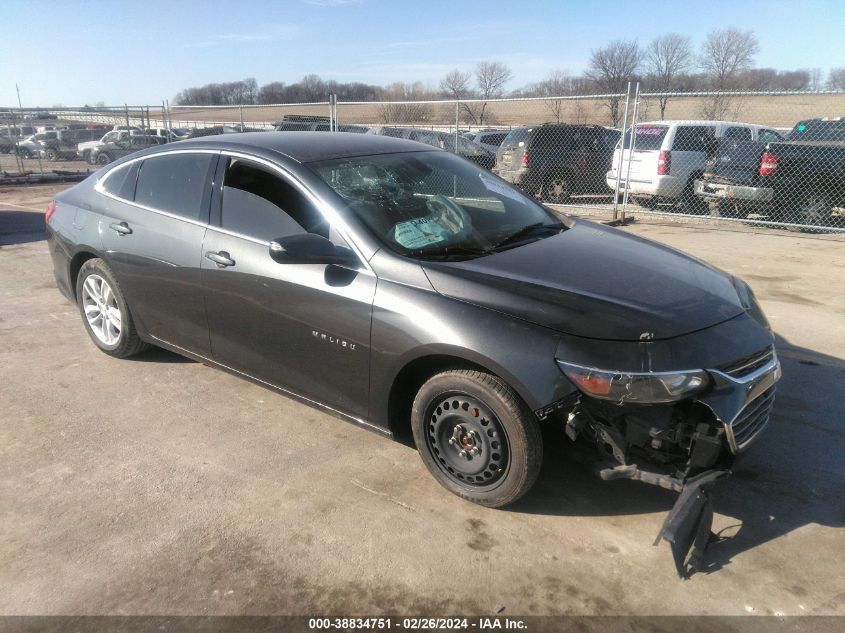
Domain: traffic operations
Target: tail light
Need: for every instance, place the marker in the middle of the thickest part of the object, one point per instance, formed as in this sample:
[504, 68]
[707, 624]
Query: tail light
[768, 163]
[525, 159]
[664, 163]
[51, 209]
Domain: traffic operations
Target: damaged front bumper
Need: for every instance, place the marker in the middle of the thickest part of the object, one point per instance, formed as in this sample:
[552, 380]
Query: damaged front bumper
[683, 446]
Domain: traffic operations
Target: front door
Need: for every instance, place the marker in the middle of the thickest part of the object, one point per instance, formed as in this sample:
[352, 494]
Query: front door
[303, 327]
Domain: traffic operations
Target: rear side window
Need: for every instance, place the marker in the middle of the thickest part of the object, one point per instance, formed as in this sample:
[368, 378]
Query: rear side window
[175, 183]
[691, 138]
[737, 134]
[120, 181]
[649, 137]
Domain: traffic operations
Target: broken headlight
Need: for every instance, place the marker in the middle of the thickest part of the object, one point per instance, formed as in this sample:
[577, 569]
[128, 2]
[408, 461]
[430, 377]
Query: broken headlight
[639, 387]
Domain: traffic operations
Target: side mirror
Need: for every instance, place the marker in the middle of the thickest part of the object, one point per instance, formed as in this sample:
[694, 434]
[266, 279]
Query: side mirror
[309, 248]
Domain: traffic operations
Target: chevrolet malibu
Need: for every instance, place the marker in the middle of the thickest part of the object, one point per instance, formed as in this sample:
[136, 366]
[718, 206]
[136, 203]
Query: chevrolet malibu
[406, 290]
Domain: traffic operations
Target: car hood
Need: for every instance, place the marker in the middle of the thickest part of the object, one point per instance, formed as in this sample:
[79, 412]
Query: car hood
[596, 282]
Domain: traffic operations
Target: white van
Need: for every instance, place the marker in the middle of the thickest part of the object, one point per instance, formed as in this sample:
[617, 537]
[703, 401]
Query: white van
[669, 155]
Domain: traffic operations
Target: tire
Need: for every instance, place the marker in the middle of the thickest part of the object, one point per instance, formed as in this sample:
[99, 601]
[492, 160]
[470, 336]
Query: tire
[692, 203]
[52, 155]
[25, 153]
[814, 208]
[556, 189]
[86, 156]
[96, 287]
[103, 159]
[487, 449]
[647, 203]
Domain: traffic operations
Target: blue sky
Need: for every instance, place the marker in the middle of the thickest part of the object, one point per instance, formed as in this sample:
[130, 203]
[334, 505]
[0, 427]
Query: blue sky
[142, 52]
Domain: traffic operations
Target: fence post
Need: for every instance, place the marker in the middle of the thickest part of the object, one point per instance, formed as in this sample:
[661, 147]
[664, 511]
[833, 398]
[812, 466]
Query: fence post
[457, 118]
[633, 146]
[621, 155]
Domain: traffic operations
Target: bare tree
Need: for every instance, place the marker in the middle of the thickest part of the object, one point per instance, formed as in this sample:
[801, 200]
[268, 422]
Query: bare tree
[725, 53]
[815, 79]
[457, 85]
[491, 78]
[611, 68]
[836, 78]
[559, 83]
[667, 57]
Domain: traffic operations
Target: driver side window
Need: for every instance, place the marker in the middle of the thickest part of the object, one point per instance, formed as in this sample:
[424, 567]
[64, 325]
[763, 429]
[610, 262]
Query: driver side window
[259, 204]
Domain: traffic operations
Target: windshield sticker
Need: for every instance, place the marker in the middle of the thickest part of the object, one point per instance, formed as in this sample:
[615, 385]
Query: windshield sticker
[419, 232]
[499, 187]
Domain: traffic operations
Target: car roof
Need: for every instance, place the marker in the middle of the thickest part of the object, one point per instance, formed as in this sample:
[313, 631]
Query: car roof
[668, 122]
[307, 147]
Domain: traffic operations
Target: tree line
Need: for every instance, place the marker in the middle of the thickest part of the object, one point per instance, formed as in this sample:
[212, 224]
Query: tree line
[667, 64]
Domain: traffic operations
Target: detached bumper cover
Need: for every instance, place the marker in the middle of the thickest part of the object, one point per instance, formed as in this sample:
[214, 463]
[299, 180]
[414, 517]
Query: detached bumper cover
[721, 191]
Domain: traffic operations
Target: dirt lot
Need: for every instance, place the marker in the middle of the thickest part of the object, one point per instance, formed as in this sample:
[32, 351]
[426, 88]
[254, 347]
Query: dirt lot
[161, 486]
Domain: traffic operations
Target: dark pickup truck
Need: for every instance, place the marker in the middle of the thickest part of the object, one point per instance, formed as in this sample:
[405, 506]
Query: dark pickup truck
[800, 179]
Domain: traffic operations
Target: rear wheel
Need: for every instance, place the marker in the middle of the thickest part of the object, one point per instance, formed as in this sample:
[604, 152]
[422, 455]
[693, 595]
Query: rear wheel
[556, 189]
[52, 155]
[815, 208]
[104, 311]
[477, 437]
[648, 203]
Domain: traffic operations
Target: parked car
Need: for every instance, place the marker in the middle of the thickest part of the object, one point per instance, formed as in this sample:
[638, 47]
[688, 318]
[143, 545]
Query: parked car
[668, 156]
[66, 142]
[105, 152]
[490, 140]
[407, 290]
[553, 161]
[442, 140]
[731, 182]
[33, 145]
[171, 134]
[83, 150]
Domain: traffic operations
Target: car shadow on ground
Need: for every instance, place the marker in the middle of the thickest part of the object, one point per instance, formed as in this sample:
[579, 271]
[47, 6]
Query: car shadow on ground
[160, 355]
[21, 227]
[792, 475]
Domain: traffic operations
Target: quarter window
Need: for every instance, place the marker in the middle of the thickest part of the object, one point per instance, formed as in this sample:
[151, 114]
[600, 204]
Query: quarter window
[175, 183]
[120, 181]
[738, 134]
[257, 203]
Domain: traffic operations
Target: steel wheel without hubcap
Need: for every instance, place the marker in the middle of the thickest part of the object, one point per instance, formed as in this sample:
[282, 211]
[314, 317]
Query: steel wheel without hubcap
[101, 309]
[467, 441]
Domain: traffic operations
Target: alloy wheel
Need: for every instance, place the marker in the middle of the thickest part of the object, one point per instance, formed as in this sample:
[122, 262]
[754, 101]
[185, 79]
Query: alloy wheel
[101, 309]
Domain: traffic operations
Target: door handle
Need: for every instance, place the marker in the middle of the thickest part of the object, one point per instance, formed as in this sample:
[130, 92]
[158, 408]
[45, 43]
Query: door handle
[221, 258]
[122, 228]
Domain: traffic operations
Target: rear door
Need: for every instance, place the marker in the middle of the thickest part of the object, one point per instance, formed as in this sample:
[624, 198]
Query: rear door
[646, 151]
[304, 327]
[156, 213]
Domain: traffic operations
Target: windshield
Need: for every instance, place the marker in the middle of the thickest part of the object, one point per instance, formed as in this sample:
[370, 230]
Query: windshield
[649, 137]
[434, 204]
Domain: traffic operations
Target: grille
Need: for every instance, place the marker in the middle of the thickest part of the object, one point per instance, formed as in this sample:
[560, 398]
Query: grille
[753, 418]
[747, 364]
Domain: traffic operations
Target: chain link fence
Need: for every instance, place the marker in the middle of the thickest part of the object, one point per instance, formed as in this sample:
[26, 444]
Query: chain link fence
[761, 158]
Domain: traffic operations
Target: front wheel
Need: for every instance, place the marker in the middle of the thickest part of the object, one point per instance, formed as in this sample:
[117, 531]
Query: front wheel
[104, 311]
[103, 159]
[477, 437]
